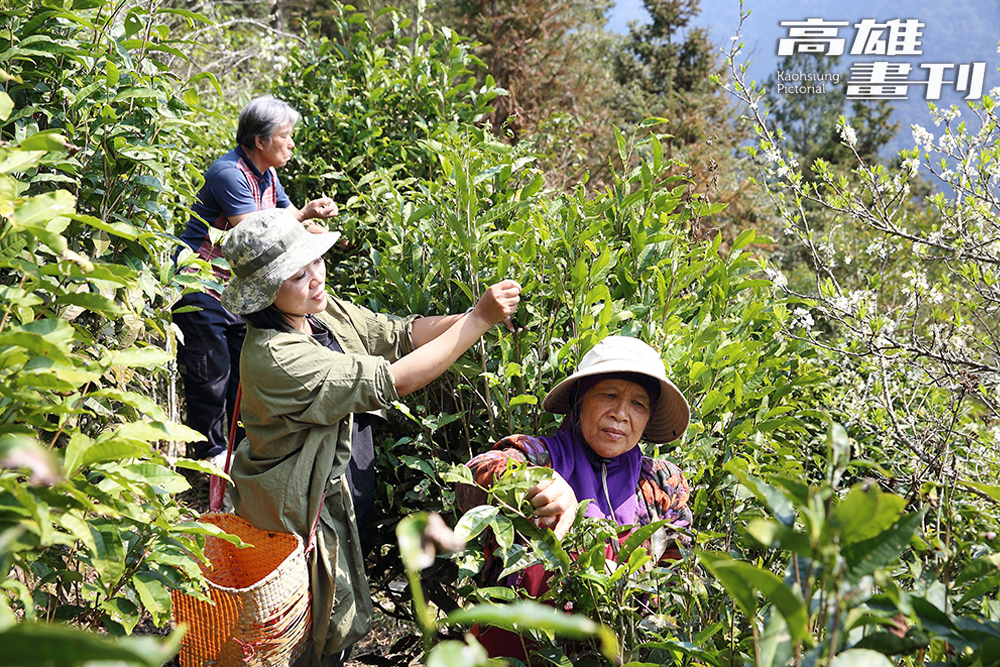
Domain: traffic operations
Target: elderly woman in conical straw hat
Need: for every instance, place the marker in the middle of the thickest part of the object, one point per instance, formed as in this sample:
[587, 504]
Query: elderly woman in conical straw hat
[314, 369]
[619, 395]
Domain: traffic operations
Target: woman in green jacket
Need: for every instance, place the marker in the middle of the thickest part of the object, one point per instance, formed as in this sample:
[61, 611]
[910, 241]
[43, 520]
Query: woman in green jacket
[313, 368]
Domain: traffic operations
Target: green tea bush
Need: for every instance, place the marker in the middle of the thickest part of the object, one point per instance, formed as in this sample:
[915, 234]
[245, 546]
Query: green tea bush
[892, 551]
[809, 544]
[91, 179]
[620, 261]
[370, 96]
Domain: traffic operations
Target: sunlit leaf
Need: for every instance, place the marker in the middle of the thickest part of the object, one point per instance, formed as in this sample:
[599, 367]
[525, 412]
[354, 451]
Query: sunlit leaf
[775, 643]
[95, 303]
[865, 512]
[865, 557]
[47, 140]
[157, 475]
[155, 597]
[503, 530]
[145, 357]
[458, 474]
[6, 105]
[22, 452]
[18, 160]
[475, 521]
[523, 616]
[41, 208]
[992, 491]
[742, 581]
[638, 537]
[144, 431]
[451, 653]
[34, 644]
[108, 557]
[122, 612]
[78, 529]
[744, 238]
[860, 657]
[119, 228]
[780, 506]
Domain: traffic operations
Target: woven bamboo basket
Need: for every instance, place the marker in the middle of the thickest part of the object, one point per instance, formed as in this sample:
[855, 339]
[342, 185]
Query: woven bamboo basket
[260, 612]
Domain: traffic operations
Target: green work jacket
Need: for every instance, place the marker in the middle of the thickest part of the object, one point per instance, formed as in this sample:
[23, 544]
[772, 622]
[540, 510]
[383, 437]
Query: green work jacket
[298, 402]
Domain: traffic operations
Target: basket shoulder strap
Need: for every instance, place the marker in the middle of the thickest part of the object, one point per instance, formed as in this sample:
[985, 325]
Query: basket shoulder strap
[233, 428]
[312, 533]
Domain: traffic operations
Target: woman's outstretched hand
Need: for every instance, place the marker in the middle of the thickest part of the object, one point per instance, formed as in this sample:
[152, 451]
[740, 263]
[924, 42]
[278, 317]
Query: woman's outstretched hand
[555, 504]
[438, 347]
[498, 303]
[321, 208]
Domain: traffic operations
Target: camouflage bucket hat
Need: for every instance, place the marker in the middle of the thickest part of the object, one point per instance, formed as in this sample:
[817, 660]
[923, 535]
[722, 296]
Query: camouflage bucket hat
[264, 250]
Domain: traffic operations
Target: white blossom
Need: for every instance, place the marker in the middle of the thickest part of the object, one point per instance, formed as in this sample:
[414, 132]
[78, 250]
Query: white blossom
[848, 134]
[777, 277]
[947, 143]
[969, 170]
[918, 280]
[841, 303]
[803, 318]
[946, 115]
[883, 329]
[936, 333]
[923, 138]
[993, 172]
[877, 249]
[850, 303]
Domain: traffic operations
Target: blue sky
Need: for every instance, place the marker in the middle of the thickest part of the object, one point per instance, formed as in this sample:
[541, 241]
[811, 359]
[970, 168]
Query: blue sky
[959, 31]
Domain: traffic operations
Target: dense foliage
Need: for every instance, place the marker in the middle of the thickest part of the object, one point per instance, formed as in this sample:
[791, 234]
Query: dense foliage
[90, 176]
[842, 452]
[897, 297]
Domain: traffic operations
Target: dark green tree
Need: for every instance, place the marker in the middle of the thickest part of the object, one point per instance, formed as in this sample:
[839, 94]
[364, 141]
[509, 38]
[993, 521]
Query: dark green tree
[665, 69]
[659, 45]
[552, 59]
[874, 128]
[804, 117]
[808, 120]
[539, 51]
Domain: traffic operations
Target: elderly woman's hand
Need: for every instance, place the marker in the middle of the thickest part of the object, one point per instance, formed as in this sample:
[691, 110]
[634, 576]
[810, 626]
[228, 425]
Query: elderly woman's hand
[321, 208]
[499, 302]
[555, 504]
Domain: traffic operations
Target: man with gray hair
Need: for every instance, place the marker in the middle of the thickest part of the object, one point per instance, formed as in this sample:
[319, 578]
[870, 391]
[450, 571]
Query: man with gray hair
[242, 181]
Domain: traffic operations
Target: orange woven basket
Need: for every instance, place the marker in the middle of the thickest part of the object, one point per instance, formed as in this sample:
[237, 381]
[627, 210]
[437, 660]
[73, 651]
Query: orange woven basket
[260, 612]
